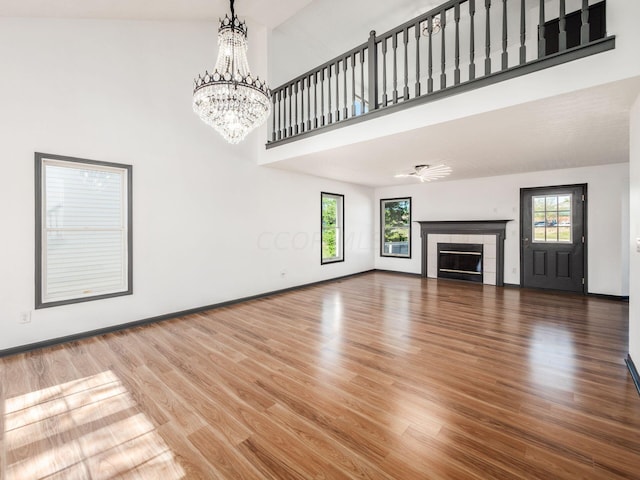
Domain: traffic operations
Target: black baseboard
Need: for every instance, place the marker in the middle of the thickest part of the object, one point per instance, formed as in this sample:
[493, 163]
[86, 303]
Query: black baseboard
[167, 316]
[618, 298]
[633, 371]
[382, 270]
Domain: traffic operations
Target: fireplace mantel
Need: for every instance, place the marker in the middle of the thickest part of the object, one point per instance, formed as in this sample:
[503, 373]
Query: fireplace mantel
[467, 227]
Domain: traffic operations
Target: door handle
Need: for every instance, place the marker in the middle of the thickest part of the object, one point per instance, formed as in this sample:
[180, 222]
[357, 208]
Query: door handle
[525, 242]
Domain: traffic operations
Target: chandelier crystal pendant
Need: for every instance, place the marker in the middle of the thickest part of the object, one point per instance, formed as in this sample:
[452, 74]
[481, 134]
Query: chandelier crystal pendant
[230, 99]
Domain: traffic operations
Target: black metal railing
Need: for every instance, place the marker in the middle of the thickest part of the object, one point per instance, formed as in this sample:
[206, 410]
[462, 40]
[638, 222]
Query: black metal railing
[444, 51]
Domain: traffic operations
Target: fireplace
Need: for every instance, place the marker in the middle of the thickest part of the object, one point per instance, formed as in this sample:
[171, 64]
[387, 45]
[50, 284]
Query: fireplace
[460, 261]
[488, 234]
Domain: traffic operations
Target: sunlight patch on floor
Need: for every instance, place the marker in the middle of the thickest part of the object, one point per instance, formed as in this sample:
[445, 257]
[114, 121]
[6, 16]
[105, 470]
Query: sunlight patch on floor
[87, 428]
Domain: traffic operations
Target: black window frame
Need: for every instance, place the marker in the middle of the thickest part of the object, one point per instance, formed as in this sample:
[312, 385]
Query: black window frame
[39, 161]
[382, 227]
[324, 261]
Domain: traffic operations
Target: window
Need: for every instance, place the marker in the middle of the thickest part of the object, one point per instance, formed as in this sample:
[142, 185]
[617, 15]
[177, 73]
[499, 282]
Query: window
[395, 226]
[83, 230]
[552, 218]
[332, 227]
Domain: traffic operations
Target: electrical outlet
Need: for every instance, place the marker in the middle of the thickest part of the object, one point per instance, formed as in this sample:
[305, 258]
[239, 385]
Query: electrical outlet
[25, 317]
[638, 244]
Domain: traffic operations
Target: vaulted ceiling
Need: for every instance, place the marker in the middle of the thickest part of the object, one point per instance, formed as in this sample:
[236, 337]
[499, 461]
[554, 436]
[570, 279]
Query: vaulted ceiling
[584, 128]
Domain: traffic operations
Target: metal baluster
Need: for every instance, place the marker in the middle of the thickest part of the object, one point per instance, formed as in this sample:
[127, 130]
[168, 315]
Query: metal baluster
[456, 72]
[385, 97]
[337, 114]
[395, 67]
[430, 61]
[405, 35]
[290, 110]
[309, 102]
[562, 38]
[353, 84]
[585, 28]
[302, 123]
[523, 34]
[487, 47]
[505, 55]
[362, 80]
[472, 40]
[443, 55]
[418, 34]
[542, 43]
[284, 112]
[322, 119]
[273, 119]
[345, 110]
[329, 112]
[296, 102]
[315, 100]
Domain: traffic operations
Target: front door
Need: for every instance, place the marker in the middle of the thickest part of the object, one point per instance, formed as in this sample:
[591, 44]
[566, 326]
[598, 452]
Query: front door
[552, 233]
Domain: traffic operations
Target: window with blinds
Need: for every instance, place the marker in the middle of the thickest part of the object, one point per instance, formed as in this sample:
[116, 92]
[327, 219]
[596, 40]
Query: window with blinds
[83, 230]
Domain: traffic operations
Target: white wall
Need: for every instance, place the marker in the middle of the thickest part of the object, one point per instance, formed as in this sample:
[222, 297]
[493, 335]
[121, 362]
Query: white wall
[209, 224]
[499, 198]
[634, 263]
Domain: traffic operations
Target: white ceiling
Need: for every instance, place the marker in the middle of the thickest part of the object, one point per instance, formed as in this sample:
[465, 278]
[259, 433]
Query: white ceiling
[270, 13]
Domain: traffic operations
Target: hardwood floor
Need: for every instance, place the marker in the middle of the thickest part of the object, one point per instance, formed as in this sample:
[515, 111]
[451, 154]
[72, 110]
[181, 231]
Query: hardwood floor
[378, 376]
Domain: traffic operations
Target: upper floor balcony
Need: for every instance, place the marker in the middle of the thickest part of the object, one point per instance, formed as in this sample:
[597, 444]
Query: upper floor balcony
[459, 46]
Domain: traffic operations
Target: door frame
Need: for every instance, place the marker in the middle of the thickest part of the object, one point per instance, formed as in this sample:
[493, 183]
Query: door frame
[585, 230]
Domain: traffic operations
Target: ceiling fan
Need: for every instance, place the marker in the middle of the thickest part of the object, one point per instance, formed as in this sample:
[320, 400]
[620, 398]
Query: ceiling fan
[426, 173]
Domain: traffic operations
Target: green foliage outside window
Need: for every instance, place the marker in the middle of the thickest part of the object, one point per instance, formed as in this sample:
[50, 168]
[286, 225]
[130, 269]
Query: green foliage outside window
[396, 221]
[395, 225]
[332, 231]
[329, 227]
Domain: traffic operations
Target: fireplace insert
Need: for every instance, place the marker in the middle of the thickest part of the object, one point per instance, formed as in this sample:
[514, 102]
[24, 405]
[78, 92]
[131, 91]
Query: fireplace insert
[460, 261]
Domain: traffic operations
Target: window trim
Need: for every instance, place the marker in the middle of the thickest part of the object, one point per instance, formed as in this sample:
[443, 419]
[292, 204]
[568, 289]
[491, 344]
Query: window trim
[324, 261]
[382, 225]
[39, 198]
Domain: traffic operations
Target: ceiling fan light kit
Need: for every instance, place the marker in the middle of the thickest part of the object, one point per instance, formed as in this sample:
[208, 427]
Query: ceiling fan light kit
[427, 173]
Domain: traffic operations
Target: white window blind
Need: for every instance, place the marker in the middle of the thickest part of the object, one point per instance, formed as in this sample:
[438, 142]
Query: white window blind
[84, 230]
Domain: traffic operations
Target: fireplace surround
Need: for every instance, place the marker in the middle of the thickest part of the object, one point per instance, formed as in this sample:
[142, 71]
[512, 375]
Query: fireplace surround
[488, 233]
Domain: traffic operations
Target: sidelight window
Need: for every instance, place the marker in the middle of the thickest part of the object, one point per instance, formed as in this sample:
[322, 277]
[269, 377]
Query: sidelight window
[552, 218]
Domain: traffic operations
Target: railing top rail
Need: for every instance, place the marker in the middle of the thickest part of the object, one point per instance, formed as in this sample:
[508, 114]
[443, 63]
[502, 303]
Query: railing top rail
[347, 54]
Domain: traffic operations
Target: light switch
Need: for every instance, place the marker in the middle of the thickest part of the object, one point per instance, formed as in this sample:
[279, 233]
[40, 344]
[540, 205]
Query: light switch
[638, 244]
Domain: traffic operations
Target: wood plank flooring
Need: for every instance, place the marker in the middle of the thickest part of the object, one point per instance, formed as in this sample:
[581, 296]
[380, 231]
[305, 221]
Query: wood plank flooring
[379, 376]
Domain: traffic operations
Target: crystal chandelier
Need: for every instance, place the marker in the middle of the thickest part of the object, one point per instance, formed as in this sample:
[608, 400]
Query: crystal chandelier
[230, 99]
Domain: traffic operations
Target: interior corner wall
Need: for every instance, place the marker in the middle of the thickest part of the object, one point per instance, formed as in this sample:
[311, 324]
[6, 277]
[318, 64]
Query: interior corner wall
[634, 257]
[498, 198]
[209, 224]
